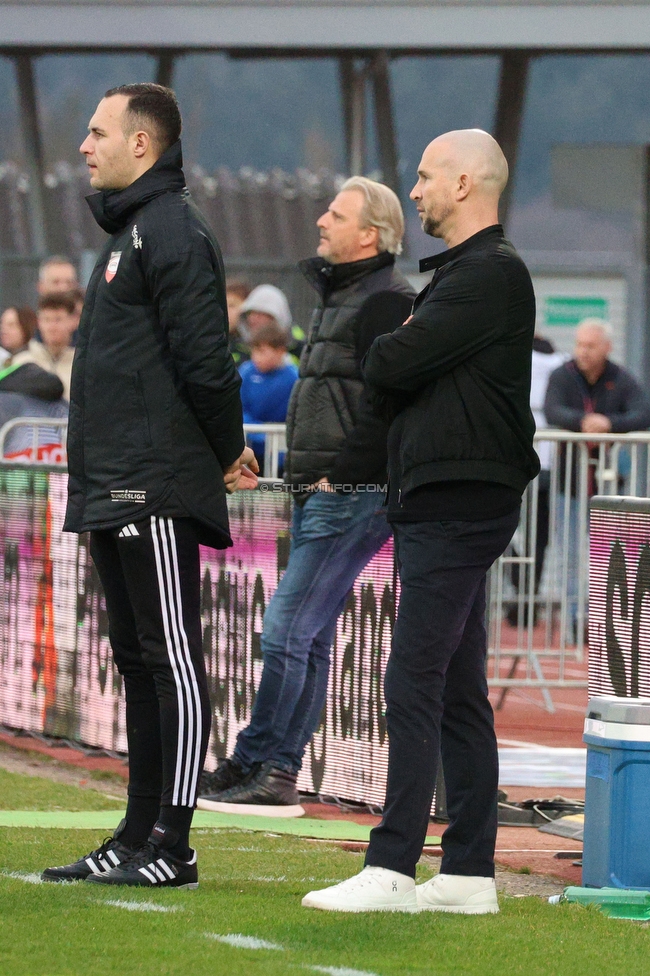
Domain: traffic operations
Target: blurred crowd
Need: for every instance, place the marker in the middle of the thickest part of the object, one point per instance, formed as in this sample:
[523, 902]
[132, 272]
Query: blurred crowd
[37, 348]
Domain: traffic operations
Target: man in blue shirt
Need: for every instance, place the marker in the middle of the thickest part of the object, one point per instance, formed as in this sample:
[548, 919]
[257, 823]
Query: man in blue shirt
[267, 381]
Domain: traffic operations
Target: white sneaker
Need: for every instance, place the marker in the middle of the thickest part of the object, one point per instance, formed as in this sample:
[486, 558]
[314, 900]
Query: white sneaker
[456, 893]
[373, 890]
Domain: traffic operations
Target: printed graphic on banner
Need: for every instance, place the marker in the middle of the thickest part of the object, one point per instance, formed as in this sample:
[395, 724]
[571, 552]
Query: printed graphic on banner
[619, 604]
[56, 668]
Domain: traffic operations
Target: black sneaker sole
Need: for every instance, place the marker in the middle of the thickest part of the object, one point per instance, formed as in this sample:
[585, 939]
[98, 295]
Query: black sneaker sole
[188, 886]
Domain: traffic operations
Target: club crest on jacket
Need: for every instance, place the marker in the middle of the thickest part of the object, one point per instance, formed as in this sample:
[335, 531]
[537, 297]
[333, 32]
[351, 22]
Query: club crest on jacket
[111, 267]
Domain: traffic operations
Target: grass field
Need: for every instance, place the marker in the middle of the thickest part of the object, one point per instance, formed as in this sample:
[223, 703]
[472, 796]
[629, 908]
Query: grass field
[246, 916]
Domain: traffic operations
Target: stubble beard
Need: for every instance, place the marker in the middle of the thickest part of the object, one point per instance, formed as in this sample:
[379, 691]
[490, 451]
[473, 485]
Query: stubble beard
[432, 225]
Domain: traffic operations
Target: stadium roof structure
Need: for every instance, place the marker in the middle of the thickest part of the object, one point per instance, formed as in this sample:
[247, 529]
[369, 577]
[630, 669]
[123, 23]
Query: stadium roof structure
[319, 25]
[363, 34]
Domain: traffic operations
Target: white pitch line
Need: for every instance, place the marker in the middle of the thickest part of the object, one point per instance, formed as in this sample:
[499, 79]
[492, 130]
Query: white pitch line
[141, 906]
[243, 941]
[23, 876]
[340, 971]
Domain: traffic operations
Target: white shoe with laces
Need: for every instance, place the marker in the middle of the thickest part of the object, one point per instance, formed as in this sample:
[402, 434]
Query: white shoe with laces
[372, 890]
[459, 894]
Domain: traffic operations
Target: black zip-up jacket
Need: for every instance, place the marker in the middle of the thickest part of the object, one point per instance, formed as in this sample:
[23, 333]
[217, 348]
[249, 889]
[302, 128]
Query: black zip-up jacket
[155, 413]
[457, 374]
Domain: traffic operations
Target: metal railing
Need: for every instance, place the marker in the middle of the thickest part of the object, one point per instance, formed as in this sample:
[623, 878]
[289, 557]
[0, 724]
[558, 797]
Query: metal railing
[33, 441]
[538, 590]
[275, 444]
[538, 593]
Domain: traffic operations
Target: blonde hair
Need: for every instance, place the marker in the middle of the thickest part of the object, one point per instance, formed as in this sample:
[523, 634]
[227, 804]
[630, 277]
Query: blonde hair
[381, 209]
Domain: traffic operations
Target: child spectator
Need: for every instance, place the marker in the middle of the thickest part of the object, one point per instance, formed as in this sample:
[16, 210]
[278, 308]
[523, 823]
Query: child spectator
[267, 381]
[57, 322]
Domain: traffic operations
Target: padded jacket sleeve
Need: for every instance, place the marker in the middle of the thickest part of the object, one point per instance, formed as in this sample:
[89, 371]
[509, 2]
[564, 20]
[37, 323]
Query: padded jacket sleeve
[187, 291]
[364, 453]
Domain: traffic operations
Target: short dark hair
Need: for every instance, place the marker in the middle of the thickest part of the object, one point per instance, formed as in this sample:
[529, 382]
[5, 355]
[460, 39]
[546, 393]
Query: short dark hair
[151, 107]
[58, 300]
[270, 335]
[239, 287]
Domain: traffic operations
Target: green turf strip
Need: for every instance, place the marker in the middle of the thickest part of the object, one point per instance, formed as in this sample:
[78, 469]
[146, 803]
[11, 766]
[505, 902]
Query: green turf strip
[246, 920]
[106, 820]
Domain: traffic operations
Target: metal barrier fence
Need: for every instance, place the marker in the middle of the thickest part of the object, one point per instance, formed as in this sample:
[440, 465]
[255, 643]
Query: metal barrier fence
[538, 590]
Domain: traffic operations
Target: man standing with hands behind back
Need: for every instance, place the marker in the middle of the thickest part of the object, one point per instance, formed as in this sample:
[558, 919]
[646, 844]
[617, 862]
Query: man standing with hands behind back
[455, 378]
[155, 440]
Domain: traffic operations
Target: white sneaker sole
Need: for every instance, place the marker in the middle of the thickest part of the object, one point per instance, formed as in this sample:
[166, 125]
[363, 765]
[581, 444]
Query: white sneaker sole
[251, 809]
[308, 902]
[461, 909]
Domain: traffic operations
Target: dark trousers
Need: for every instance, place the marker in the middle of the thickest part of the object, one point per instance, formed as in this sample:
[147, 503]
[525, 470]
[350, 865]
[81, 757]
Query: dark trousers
[150, 574]
[437, 697]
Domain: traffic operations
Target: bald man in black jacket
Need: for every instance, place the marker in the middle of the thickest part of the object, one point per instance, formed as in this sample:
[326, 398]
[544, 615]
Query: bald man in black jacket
[456, 379]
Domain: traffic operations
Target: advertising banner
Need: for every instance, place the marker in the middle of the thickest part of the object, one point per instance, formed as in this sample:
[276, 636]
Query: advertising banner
[619, 597]
[56, 669]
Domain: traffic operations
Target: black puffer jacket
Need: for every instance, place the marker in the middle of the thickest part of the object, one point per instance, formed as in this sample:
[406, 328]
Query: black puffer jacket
[326, 402]
[155, 413]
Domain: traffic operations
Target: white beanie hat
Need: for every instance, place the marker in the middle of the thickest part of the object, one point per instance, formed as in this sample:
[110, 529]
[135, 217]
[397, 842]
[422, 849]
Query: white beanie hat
[272, 301]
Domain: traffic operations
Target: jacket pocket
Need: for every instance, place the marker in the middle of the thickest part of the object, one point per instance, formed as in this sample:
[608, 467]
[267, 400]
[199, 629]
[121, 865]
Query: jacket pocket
[139, 428]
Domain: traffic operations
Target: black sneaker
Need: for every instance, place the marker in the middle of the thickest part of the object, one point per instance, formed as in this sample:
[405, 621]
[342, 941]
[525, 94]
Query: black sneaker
[153, 866]
[227, 774]
[270, 792]
[107, 856]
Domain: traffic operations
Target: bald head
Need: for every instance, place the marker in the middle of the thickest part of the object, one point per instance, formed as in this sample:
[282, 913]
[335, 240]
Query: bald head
[461, 176]
[593, 347]
[473, 152]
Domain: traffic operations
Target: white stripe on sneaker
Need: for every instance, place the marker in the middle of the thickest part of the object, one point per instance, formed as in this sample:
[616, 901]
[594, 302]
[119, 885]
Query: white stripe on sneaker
[93, 867]
[156, 870]
[150, 877]
[166, 868]
[114, 858]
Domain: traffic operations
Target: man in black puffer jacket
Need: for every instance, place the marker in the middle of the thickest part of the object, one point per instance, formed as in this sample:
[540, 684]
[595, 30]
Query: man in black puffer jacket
[336, 469]
[155, 439]
[456, 379]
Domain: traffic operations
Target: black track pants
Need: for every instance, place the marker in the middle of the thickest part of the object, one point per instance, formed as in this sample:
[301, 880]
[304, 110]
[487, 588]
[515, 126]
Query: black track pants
[150, 574]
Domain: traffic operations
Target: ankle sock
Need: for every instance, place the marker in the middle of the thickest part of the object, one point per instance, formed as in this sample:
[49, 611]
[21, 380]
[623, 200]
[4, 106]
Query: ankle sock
[180, 820]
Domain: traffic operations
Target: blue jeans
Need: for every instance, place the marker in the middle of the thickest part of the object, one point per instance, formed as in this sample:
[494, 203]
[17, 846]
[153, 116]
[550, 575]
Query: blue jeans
[333, 536]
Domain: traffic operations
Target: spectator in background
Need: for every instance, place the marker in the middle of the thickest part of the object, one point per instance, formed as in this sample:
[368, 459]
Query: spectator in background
[19, 372]
[56, 274]
[57, 323]
[237, 291]
[593, 395]
[267, 381]
[266, 305]
[336, 469]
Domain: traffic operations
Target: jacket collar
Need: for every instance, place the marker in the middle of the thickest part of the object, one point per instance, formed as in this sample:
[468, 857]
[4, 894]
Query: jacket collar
[437, 260]
[326, 277]
[113, 208]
